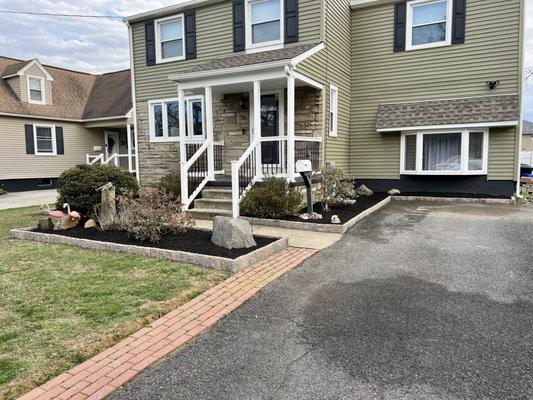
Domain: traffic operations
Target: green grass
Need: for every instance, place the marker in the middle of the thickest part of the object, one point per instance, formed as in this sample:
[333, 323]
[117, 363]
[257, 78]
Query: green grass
[60, 305]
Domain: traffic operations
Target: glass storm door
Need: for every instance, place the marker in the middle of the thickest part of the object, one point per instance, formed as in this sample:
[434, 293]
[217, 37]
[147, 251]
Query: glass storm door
[270, 151]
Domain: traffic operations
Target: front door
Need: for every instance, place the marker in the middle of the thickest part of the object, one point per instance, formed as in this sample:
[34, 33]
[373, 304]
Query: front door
[270, 151]
[111, 144]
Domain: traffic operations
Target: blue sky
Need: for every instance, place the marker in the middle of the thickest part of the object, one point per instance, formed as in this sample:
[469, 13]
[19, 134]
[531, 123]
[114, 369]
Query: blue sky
[100, 45]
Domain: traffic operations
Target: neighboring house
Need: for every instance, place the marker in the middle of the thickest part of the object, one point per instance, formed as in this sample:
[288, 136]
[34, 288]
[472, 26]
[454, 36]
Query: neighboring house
[527, 136]
[52, 119]
[420, 95]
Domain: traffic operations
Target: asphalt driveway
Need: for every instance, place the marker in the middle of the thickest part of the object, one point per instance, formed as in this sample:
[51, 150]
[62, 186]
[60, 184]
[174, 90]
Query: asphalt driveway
[419, 301]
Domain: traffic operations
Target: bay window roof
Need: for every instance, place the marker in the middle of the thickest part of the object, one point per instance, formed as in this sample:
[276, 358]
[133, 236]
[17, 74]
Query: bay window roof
[460, 112]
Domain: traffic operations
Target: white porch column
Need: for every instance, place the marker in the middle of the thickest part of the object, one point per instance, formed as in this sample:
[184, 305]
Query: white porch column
[128, 141]
[257, 129]
[209, 132]
[183, 149]
[290, 127]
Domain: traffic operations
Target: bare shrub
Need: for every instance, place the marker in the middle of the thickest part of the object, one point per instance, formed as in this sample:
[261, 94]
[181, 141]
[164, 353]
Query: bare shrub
[336, 188]
[154, 213]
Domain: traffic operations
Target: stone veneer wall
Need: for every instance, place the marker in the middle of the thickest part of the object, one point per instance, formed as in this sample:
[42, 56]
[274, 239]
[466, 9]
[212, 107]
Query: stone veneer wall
[229, 121]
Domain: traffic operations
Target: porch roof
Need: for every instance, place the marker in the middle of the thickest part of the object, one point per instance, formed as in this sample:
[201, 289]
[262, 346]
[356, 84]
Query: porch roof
[484, 111]
[251, 61]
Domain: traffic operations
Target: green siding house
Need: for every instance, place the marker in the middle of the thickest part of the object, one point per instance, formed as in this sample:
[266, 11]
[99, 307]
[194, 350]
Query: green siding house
[420, 95]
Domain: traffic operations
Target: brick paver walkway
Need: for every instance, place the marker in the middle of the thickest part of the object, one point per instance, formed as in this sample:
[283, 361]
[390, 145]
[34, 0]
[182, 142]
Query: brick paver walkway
[106, 372]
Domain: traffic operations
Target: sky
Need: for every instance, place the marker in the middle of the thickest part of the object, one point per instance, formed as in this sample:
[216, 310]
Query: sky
[101, 45]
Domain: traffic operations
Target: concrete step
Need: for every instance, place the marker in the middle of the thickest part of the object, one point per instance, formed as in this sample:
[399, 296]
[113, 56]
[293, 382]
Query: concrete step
[216, 193]
[213, 204]
[206, 213]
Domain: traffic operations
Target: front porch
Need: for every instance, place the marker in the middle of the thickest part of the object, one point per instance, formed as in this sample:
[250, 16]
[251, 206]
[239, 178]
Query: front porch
[256, 125]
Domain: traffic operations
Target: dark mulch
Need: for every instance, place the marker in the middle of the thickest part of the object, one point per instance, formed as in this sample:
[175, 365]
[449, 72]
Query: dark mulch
[194, 241]
[345, 212]
[455, 195]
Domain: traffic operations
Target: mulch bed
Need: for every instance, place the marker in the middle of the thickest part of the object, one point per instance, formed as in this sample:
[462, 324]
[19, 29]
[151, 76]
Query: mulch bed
[194, 241]
[344, 212]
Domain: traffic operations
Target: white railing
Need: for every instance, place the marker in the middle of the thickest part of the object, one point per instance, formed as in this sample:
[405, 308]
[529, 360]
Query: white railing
[118, 160]
[526, 157]
[91, 159]
[241, 183]
[195, 174]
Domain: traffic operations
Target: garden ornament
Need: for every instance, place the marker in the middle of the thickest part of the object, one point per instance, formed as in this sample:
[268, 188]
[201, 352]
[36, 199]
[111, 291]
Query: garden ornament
[69, 220]
[335, 219]
[56, 214]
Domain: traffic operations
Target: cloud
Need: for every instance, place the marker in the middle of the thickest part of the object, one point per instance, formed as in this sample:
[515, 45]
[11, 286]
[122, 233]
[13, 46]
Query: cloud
[86, 44]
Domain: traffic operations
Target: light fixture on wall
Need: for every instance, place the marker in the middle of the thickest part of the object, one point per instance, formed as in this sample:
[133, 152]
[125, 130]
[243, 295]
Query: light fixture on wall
[492, 84]
[243, 103]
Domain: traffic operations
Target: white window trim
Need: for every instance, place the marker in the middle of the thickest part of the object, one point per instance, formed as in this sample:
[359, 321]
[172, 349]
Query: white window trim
[54, 142]
[465, 144]
[188, 105]
[272, 45]
[333, 108]
[43, 95]
[158, 51]
[409, 25]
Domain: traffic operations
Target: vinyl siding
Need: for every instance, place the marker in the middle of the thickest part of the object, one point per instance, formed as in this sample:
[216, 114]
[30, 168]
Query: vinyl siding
[16, 164]
[14, 83]
[214, 35]
[491, 52]
[34, 70]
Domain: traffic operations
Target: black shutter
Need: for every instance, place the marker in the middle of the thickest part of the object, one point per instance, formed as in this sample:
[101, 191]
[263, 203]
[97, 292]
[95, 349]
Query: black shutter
[239, 35]
[458, 21]
[400, 15]
[30, 146]
[291, 21]
[149, 30]
[190, 35]
[60, 142]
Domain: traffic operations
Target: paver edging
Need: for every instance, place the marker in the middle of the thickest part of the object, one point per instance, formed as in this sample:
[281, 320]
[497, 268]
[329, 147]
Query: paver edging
[204, 260]
[454, 199]
[106, 372]
[327, 228]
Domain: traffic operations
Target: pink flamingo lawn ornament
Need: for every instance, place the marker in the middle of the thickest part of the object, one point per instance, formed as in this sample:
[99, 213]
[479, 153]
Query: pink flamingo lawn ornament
[72, 214]
[68, 220]
[55, 214]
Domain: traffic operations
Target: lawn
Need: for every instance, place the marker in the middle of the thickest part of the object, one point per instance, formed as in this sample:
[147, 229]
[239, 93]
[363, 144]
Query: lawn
[60, 305]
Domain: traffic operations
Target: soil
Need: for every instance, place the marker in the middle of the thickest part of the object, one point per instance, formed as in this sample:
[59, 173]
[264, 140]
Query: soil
[344, 212]
[194, 241]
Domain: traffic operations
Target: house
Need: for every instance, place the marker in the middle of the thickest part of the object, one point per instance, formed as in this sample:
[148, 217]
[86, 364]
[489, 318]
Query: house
[53, 118]
[527, 136]
[420, 95]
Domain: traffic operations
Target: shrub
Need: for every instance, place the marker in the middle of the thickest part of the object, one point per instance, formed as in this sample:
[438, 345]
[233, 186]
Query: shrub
[171, 183]
[273, 198]
[335, 188]
[2, 190]
[79, 185]
[154, 213]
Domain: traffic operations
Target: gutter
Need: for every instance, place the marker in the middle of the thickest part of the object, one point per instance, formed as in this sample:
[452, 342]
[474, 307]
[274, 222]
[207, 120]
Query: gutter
[5, 114]
[176, 8]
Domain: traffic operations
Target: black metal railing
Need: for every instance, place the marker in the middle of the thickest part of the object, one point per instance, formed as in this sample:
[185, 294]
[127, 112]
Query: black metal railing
[274, 157]
[218, 150]
[247, 173]
[197, 172]
[309, 150]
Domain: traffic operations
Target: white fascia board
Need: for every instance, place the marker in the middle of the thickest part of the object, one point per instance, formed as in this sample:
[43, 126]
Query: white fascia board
[6, 114]
[41, 67]
[306, 54]
[356, 4]
[453, 126]
[175, 8]
[233, 79]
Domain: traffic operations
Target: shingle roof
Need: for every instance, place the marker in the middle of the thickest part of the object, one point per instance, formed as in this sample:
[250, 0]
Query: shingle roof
[75, 95]
[469, 110]
[15, 67]
[252, 58]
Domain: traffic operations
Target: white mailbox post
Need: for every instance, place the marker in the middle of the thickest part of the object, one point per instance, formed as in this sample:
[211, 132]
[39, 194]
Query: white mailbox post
[305, 168]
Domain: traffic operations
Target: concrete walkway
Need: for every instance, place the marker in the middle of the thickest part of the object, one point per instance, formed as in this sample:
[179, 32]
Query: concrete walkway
[297, 238]
[25, 199]
[427, 301]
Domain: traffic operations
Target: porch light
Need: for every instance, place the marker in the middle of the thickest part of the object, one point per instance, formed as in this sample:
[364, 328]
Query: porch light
[492, 84]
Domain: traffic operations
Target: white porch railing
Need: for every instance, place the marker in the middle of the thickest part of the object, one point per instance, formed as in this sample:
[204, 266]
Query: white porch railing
[91, 159]
[118, 160]
[268, 156]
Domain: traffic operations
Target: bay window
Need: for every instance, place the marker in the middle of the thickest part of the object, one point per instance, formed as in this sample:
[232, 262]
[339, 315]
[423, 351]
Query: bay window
[165, 123]
[169, 34]
[461, 152]
[428, 23]
[264, 23]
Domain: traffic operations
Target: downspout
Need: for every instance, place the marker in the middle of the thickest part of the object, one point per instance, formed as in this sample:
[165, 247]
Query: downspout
[133, 99]
[522, 92]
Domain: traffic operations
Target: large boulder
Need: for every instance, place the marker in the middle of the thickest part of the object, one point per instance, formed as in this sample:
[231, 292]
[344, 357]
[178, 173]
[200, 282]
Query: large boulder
[232, 233]
[393, 192]
[363, 190]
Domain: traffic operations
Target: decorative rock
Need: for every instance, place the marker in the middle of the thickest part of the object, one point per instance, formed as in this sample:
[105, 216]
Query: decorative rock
[350, 202]
[363, 190]
[45, 225]
[335, 219]
[312, 216]
[90, 223]
[232, 233]
[393, 192]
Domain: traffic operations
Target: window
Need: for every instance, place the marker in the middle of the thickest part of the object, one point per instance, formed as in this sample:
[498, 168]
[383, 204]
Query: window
[169, 33]
[428, 23]
[44, 138]
[165, 120]
[44, 182]
[333, 110]
[35, 89]
[264, 23]
[460, 152]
